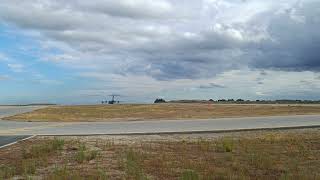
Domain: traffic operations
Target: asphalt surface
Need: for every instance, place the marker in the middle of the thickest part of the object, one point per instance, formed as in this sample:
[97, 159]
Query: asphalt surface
[154, 127]
[12, 110]
[5, 140]
[9, 111]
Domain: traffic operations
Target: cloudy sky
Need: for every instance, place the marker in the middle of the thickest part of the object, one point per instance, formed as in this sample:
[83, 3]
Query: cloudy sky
[79, 51]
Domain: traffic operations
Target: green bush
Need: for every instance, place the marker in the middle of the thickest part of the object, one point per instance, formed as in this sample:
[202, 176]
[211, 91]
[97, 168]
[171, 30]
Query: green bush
[189, 175]
[29, 166]
[133, 165]
[84, 155]
[80, 156]
[57, 144]
[227, 145]
[7, 172]
[38, 151]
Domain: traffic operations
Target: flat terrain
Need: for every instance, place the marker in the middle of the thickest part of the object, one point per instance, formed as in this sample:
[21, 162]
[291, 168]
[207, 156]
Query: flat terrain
[159, 111]
[156, 127]
[12, 110]
[290, 154]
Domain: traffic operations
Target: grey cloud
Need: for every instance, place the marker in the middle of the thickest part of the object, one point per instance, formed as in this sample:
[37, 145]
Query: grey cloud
[259, 80]
[129, 9]
[296, 43]
[76, 14]
[186, 65]
[306, 82]
[40, 17]
[263, 73]
[158, 43]
[211, 85]
[171, 53]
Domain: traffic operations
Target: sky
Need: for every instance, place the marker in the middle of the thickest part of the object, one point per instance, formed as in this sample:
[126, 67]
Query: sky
[79, 52]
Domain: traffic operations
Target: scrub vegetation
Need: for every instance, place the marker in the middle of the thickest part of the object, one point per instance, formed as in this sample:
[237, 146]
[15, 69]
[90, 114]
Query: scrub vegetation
[291, 154]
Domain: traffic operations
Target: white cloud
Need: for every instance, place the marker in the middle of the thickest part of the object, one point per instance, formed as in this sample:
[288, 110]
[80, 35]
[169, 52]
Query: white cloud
[3, 57]
[16, 67]
[4, 77]
[170, 45]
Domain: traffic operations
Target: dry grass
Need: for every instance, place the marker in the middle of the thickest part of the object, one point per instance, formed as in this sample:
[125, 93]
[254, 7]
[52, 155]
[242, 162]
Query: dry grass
[291, 154]
[160, 111]
[27, 159]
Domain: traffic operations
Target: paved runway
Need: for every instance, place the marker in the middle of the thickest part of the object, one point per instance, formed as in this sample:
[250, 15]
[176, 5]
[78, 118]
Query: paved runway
[12, 110]
[4, 140]
[160, 126]
[9, 111]
[163, 126]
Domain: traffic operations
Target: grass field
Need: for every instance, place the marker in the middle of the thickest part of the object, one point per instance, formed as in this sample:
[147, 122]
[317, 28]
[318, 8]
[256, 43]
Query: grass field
[160, 111]
[291, 154]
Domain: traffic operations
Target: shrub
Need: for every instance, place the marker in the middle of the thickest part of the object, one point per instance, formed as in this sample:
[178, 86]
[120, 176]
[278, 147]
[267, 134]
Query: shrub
[7, 172]
[102, 175]
[189, 175]
[29, 166]
[38, 151]
[57, 144]
[133, 166]
[227, 145]
[84, 155]
[61, 173]
[80, 156]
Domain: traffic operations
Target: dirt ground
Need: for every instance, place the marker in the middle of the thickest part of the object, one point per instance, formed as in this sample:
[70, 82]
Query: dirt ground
[160, 111]
[278, 154]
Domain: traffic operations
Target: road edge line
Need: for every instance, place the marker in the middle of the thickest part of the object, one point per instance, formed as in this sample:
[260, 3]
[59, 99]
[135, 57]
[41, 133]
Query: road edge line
[10, 144]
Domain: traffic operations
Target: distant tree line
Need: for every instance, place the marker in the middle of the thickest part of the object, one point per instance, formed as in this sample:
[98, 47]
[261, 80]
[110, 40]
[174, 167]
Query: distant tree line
[160, 100]
[242, 101]
[258, 101]
[229, 100]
